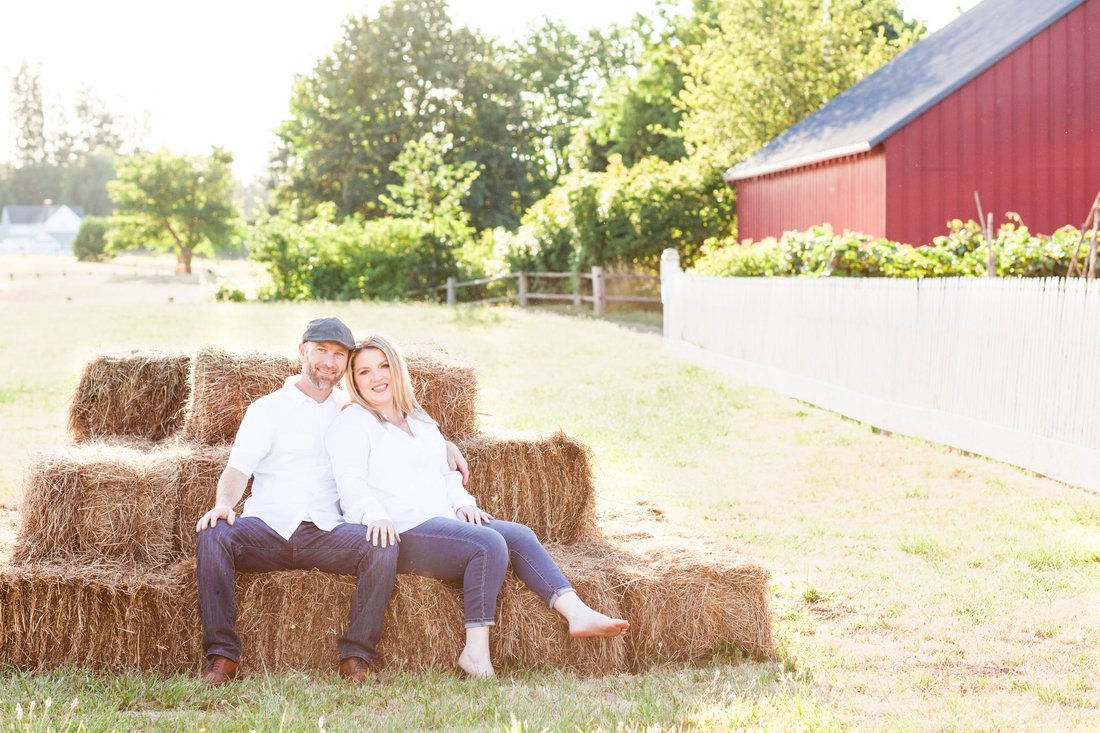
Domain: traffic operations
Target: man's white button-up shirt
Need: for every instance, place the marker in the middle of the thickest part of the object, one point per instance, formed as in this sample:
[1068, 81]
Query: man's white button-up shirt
[281, 443]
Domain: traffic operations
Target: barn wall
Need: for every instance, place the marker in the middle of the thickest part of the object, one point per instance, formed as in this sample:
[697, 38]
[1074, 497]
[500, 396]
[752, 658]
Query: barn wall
[1025, 134]
[848, 193]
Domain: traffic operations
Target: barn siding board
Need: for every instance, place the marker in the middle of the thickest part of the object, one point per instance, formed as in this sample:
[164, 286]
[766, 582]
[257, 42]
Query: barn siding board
[1041, 111]
[847, 193]
[1024, 134]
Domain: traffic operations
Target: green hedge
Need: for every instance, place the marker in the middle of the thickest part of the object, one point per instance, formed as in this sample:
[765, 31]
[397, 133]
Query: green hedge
[322, 259]
[818, 252]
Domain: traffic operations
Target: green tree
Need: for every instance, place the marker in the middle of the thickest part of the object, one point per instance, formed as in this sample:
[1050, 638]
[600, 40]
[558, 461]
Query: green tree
[28, 117]
[639, 115]
[84, 182]
[36, 183]
[97, 128]
[56, 159]
[765, 64]
[173, 202]
[390, 80]
[431, 188]
[563, 75]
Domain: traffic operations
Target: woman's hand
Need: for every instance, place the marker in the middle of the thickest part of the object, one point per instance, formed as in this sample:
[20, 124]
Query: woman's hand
[457, 462]
[473, 515]
[382, 532]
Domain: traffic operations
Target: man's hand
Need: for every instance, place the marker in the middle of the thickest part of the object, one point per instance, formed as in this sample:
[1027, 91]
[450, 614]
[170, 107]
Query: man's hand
[211, 518]
[473, 515]
[457, 462]
[231, 485]
[381, 532]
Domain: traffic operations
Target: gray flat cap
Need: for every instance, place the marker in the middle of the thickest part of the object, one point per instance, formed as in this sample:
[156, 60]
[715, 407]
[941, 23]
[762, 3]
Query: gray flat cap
[329, 329]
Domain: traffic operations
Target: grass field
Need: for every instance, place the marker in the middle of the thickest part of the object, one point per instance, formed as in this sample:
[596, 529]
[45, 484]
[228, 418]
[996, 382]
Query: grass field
[915, 587]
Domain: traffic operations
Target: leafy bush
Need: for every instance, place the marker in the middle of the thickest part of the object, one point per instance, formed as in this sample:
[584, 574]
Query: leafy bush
[621, 217]
[90, 243]
[962, 252]
[230, 295]
[322, 259]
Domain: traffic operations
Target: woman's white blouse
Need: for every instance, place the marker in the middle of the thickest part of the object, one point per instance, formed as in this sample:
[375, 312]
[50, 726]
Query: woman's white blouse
[382, 472]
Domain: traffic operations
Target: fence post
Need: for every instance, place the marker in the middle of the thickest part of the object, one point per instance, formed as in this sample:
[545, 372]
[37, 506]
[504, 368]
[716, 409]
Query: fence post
[598, 284]
[523, 290]
[452, 298]
[577, 290]
[670, 269]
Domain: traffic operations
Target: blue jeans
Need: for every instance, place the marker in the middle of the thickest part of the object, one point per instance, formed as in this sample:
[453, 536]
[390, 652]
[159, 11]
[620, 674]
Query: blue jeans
[253, 546]
[449, 549]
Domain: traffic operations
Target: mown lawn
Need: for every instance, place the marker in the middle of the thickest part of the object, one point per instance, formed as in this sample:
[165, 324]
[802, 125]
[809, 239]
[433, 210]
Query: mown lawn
[915, 588]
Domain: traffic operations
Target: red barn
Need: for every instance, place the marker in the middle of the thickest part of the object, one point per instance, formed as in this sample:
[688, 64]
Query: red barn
[1004, 101]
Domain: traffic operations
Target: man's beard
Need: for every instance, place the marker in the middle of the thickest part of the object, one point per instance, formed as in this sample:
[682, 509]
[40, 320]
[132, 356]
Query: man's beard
[318, 381]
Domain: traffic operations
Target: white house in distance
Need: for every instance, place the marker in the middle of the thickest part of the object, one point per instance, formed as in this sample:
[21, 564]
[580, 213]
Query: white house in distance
[39, 229]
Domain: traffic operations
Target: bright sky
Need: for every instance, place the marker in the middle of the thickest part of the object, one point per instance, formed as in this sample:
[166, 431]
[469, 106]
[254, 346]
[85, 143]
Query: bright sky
[218, 72]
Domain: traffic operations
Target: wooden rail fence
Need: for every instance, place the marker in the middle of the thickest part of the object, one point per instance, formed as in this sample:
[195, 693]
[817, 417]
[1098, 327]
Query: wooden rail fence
[524, 294]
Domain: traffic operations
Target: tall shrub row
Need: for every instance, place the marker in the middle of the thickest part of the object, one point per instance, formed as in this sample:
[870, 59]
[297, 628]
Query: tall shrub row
[326, 259]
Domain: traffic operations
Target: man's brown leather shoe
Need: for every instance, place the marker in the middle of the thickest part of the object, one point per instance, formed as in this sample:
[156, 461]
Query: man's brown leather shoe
[218, 670]
[358, 671]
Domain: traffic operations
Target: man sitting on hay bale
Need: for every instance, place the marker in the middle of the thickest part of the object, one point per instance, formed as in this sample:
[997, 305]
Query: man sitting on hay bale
[293, 519]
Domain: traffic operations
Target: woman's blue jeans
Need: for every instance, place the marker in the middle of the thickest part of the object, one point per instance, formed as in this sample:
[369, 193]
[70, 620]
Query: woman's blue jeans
[449, 549]
[249, 544]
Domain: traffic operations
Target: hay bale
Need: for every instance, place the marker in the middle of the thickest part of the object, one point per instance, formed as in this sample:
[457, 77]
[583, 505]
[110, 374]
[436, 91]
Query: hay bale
[102, 499]
[135, 396]
[290, 621]
[686, 597]
[544, 482]
[224, 384]
[199, 467]
[529, 635]
[424, 628]
[86, 613]
[448, 391]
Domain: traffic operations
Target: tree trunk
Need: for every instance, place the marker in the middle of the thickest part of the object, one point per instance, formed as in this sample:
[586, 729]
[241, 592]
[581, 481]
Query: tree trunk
[183, 261]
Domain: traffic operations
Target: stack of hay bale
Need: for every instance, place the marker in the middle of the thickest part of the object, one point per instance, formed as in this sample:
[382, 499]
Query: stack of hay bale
[103, 573]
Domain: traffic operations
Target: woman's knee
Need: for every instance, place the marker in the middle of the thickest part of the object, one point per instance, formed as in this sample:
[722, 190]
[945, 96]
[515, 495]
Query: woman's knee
[492, 544]
[517, 536]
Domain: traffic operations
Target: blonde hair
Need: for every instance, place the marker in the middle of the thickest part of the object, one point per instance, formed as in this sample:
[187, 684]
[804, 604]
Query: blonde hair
[404, 398]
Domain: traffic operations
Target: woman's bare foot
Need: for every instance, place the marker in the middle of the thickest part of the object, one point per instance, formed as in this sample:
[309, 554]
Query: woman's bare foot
[475, 667]
[585, 621]
[595, 623]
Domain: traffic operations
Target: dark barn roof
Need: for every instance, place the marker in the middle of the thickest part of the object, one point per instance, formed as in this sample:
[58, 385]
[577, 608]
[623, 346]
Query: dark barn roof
[873, 109]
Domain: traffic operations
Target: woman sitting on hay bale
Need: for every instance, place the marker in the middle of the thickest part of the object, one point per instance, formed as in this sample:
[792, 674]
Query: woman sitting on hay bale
[391, 471]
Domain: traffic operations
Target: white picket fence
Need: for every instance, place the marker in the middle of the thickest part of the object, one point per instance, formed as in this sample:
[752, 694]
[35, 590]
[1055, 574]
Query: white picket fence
[1006, 368]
